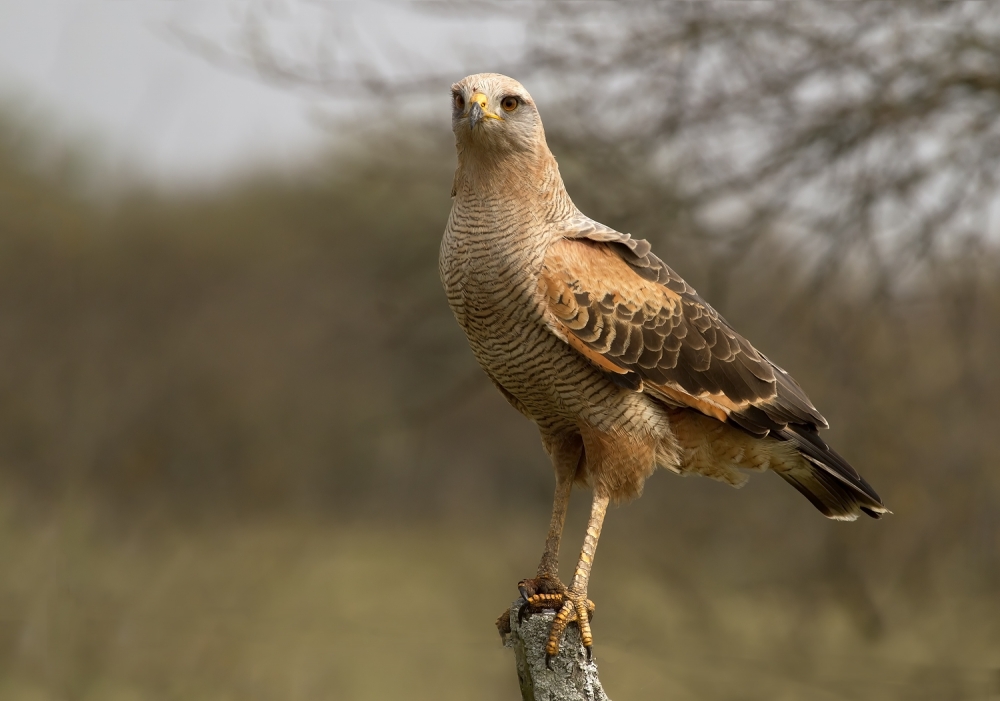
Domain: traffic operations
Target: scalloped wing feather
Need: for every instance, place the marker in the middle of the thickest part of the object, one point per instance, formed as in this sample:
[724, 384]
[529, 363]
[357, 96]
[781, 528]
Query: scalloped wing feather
[620, 306]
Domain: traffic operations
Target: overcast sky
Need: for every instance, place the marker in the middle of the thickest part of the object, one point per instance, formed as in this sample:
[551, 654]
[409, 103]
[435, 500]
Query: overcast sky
[110, 72]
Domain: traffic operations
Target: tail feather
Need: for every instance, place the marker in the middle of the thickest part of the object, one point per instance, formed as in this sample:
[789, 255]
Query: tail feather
[827, 480]
[831, 496]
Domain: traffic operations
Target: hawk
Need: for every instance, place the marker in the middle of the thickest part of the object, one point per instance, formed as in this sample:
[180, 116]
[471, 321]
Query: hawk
[620, 364]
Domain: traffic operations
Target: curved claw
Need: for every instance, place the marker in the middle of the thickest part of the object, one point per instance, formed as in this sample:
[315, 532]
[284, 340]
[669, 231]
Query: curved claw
[523, 613]
[590, 652]
[548, 661]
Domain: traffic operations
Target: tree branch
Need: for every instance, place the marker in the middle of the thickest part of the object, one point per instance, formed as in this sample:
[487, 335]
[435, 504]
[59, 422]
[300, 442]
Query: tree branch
[571, 677]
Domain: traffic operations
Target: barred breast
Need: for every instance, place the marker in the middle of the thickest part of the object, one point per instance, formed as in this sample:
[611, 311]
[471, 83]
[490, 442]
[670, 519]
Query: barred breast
[490, 261]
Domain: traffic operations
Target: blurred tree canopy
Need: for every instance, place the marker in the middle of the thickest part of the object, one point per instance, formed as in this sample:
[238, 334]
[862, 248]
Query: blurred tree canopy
[868, 130]
[866, 133]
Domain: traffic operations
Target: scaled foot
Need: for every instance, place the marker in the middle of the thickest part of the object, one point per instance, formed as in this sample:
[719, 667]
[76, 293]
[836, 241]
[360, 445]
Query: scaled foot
[575, 607]
[542, 593]
[549, 594]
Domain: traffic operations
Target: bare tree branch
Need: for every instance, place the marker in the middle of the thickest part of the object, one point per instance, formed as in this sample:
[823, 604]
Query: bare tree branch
[869, 130]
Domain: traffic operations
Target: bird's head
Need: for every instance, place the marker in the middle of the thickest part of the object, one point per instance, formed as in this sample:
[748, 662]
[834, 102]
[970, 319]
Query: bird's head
[493, 115]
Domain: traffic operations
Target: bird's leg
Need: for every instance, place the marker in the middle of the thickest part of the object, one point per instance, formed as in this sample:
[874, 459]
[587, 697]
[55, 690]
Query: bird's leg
[545, 590]
[548, 566]
[576, 604]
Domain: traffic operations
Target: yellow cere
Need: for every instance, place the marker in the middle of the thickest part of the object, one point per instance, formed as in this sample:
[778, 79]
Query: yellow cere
[482, 101]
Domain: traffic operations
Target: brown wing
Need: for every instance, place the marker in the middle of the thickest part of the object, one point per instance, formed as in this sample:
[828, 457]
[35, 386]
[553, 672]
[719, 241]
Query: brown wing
[633, 316]
[620, 306]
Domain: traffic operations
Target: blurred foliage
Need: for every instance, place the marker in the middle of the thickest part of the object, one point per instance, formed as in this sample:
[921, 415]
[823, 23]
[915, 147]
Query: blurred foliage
[295, 609]
[870, 128]
[241, 436]
[866, 132]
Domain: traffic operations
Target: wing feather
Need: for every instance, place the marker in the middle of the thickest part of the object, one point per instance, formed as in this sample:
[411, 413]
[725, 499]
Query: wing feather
[625, 310]
[669, 338]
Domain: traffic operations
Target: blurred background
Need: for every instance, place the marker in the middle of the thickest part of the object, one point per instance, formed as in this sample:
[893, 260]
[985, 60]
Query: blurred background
[246, 453]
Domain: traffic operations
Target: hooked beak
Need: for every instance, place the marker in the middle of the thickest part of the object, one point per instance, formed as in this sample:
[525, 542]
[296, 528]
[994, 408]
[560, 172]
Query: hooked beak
[478, 111]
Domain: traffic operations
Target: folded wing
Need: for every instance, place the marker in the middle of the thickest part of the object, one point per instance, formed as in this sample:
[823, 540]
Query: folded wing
[619, 305]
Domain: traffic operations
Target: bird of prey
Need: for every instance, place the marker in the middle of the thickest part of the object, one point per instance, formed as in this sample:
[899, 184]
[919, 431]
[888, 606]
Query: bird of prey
[622, 366]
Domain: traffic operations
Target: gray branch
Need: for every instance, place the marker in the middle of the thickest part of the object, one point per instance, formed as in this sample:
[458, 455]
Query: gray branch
[571, 678]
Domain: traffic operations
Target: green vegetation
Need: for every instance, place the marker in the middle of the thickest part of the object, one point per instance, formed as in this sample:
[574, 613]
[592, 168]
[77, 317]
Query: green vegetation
[244, 452]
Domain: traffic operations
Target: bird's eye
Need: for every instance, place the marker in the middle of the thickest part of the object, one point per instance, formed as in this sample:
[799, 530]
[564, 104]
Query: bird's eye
[509, 103]
[459, 101]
